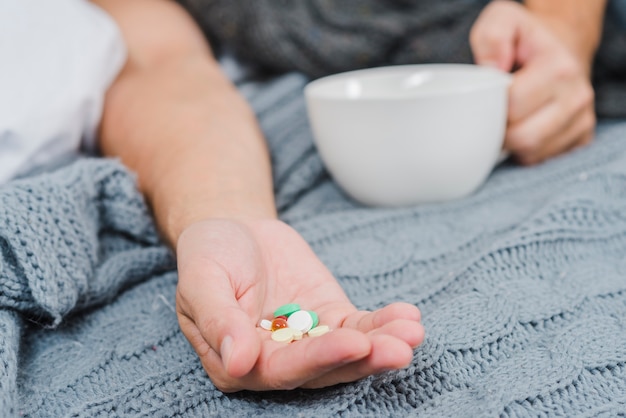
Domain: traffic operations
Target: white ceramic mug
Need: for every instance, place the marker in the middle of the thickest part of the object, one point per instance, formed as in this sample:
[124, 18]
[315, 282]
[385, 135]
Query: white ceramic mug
[409, 134]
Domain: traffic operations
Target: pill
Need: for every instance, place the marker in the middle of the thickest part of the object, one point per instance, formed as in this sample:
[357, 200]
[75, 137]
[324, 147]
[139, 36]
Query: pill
[316, 319]
[283, 335]
[300, 320]
[297, 335]
[318, 331]
[278, 323]
[286, 310]
[266, 324]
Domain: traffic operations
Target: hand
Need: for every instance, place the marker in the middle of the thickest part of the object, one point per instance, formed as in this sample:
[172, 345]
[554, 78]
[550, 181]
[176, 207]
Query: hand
[232, 274]
[551, 106]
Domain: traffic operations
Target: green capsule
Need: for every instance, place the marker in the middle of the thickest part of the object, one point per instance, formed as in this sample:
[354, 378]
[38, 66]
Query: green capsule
[316, 319]
[286, 310]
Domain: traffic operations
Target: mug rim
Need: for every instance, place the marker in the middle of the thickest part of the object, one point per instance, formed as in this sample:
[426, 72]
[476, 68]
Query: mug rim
[313, 89]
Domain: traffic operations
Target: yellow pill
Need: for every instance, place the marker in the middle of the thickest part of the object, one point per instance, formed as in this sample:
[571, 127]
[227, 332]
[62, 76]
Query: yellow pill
[283, 335]
[297, 335]
[319, 331]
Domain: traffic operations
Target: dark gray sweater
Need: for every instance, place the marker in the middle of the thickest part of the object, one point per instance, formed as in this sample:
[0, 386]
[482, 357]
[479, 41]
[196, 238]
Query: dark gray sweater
[320, 37]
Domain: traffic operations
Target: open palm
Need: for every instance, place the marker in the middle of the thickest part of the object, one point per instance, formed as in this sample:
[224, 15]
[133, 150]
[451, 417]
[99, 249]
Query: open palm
[232, 274]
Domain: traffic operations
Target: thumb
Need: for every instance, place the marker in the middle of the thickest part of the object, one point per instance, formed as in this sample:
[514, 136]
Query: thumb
[209, 314]
[495, 33]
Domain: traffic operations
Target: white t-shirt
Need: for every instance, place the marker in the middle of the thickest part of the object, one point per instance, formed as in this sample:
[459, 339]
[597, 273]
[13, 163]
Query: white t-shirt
[57, 60]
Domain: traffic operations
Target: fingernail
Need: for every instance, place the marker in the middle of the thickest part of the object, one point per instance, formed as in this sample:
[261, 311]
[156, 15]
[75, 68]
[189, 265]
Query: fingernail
[226, 350]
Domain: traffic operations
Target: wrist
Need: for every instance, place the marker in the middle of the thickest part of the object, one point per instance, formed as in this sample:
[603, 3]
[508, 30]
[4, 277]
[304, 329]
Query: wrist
[184, 198]
[175, 222]
[576, 23]
[581, 44]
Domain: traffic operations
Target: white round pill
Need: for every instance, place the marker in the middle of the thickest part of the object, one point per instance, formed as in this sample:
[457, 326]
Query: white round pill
[319, 331]
[266, 324]
[300, 320]
[283, 335]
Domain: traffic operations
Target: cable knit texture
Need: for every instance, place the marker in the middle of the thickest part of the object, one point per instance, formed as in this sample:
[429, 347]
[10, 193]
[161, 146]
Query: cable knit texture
[522, 287]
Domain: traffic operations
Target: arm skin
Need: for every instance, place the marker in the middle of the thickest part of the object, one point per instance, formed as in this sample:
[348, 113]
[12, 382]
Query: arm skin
[578, 23]
[176, 120]
[202, 163]
[550, 46]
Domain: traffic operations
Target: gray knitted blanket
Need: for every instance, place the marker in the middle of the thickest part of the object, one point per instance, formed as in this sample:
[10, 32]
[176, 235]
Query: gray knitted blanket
[522, 288]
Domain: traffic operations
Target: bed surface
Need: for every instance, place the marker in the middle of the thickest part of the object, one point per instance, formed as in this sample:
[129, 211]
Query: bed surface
[522, 288]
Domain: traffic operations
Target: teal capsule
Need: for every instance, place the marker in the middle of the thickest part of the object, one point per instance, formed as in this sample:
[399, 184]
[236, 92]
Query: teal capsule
[286, 310]
[316, 319]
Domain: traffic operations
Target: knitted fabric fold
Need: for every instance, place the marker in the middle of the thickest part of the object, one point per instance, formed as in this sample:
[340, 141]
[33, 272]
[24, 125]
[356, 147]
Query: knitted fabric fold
[59, 231]
[69, 240]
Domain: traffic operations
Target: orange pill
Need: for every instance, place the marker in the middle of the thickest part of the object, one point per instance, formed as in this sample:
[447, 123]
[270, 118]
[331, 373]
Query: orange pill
[279, 323]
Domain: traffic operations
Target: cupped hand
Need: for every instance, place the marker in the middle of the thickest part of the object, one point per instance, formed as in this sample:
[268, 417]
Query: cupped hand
[232, 274]
[551, 99]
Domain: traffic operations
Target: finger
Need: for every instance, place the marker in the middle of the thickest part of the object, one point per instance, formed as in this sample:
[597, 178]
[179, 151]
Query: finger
[527, 137]
[219, 319]
[211, 360]
[577, 133]
[553, 128]
[494, 35]
[392, 346]
[410, 332]
[366, 321]
[388, 353]
[529, 92]
[340, 356]
[314, 357]
[287, 366]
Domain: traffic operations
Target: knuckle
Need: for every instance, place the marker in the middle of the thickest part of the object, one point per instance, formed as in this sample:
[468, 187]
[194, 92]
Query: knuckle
[566, 69]
[521, 142]
[586, 96]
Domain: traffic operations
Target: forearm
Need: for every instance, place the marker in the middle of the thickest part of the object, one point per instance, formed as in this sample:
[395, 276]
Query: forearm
[176, 121]
[576, 22]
